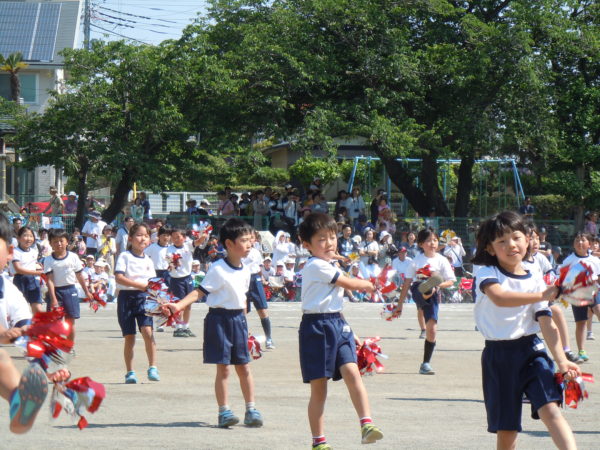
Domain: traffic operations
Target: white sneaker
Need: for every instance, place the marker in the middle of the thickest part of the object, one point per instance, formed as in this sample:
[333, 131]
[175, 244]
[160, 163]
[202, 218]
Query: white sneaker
[590, 336]
[269, 344]
[160, 329]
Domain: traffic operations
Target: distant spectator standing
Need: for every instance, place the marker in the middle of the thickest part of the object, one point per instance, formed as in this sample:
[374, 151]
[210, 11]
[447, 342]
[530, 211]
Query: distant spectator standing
[226, 206]
[590, 226]
[260, 206]
[123, 235]
[527, 209]
[356, 206]
[55, 206]
[92, 230]
[375, 205]
[146, 205]
[71, 203]
[137, 210]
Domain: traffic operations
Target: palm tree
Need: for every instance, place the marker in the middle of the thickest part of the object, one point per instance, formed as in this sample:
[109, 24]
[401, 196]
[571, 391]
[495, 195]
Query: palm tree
[13, 65]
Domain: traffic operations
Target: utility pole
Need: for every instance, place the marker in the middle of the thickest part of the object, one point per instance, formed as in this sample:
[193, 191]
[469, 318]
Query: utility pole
[86, 25]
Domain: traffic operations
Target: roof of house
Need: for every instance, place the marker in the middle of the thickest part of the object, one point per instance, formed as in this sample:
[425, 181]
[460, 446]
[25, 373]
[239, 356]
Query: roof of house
[38, 30]
[5, 125]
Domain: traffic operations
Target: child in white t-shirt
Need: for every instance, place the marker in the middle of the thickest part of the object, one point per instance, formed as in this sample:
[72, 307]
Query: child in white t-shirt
[225, 327]
[510, 308]
[327, 343]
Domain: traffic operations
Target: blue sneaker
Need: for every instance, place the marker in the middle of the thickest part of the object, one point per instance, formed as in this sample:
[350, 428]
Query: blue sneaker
[153, 374]
[130, 378]
[227, 419]
[426, 369]
[253, 418]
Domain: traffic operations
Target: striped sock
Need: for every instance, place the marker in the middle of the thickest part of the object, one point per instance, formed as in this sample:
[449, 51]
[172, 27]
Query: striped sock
[365, 420]
[318, 440]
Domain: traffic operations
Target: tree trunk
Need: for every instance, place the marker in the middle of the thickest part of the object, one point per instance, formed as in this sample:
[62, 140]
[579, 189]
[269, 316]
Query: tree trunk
[421, 201]
[15, 87]
[465, 185]
[431, 186]
[82, 191]
[120, 196]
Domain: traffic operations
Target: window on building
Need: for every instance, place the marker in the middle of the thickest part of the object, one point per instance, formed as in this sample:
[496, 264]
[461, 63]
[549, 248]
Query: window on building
[28, 86]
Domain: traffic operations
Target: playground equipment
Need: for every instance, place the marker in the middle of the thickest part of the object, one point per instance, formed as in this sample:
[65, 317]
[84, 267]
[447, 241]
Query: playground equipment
[504, 167]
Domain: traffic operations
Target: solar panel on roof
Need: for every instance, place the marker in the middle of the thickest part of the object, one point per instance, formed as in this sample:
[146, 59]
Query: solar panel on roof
[29, 28]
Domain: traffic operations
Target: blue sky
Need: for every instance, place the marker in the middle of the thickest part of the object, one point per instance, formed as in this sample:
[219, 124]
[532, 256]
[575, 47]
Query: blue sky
[149, 21]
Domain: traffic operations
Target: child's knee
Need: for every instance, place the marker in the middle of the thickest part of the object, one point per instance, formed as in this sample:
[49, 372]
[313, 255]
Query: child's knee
[550, 412]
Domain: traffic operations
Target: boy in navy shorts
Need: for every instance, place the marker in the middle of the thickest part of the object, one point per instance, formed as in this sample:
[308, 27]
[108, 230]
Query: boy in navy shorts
[63, 269]
[327, 344]
[225, 326]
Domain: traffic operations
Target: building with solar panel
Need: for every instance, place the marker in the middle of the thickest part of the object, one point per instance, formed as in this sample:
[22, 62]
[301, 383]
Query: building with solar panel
[40, 31]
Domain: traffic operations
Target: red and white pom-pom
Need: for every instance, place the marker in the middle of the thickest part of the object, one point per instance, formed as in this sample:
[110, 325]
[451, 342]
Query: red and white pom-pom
[550, 278]
[423, 272]
[254, 346]
[574, 391]
[96, 301]
[384, 286]
[577, 284]
[154, 305]
[388, 312]
[77, 397]
[367, 357]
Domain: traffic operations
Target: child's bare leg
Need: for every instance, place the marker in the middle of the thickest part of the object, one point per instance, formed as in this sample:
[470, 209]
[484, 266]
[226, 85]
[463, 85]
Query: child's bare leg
[580, 333]
[221, 384]
[37, 307]
[421, 319]
[506, 440]
[246, 381]
[559, 429]
[590, 319]
[71, 336]
[561, 323]
[128, 351]
[187, 314]
[150, 344]
[356, 388]
[9, 376]
[316, 406]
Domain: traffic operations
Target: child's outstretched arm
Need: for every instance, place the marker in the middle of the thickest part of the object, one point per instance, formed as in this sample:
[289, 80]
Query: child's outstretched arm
[403, 294]
[192, 297]
[508, 299]
[552, 338]
[355, 284]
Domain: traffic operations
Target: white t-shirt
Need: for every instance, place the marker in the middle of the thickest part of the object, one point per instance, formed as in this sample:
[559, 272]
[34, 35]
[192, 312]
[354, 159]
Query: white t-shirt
[268, 273]
[13, 306]
[253, 261]
[590, 260]
[225, 285]
[27, 258]
[93, 228]
[122, 239]
[158, 255]
[508, 323]
[372, 246]
[319, 292]
[185, 262]
[455, 253]
[437, 263]
[402, 267]
[95, 277]
[136, 268]
[538, 263]
[64, 269]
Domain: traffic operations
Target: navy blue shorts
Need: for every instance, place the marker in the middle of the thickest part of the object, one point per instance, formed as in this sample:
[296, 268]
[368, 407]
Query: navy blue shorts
[164, 274]
[67, 298]
[256, 293]
[580, 313]
[130, 309]
[225, 337]
[29, 287]
[509, 369]
[326, 344]
[430, 307]
[180, 287]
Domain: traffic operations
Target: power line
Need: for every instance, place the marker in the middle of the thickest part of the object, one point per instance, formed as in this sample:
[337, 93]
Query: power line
[118, 34]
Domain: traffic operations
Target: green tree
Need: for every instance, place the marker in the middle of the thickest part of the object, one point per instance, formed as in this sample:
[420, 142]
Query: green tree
[13, 64]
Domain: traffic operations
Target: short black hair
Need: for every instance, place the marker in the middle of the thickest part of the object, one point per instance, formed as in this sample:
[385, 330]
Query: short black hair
[346, 225]
[233, 229]
[23, 230]
[6, 231]
[492, 228]
[164, 230]
[313, 223]
[177, 230]
[57, 233]
[425, 234]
